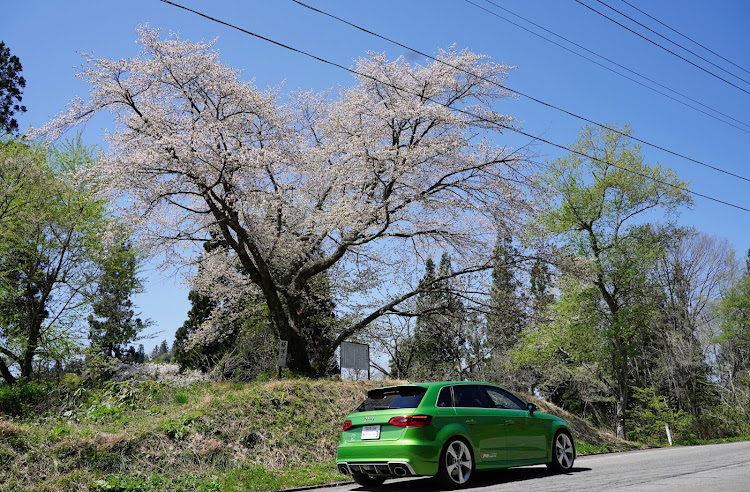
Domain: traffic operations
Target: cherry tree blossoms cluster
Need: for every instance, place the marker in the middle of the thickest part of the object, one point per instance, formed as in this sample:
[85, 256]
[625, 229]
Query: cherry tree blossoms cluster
[394, 168]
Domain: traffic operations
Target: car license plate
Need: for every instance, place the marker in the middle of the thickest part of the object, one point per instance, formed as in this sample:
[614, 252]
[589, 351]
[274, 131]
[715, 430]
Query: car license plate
[370, 432]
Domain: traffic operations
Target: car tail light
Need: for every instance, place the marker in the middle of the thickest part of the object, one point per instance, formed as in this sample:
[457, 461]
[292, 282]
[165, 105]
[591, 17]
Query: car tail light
[347, 425]
[411, 421]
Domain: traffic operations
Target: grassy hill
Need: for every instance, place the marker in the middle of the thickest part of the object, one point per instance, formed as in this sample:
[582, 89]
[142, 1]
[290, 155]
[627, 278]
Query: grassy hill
[153, 435]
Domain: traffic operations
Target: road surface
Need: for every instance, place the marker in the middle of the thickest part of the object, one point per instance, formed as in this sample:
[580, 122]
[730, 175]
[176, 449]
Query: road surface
[714, 467]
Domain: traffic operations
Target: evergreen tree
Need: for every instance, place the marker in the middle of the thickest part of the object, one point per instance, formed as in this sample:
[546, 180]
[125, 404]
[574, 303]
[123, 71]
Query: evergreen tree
[438, 347]
[11, 88]
[506, 318]
[540, 289]
[204, 356]
[113, 324]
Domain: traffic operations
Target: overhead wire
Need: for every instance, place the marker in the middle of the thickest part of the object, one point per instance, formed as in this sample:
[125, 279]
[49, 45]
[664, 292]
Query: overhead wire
[663, 47]
[609, 60]
[451, 108]
[686, 37]
[673, 42]
[539, 101]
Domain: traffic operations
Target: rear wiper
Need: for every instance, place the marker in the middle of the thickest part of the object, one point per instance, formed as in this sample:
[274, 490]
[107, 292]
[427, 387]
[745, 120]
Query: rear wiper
[380, 407]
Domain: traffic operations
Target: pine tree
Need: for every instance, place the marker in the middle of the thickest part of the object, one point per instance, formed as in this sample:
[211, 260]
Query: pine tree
[506, 318]
[201, 357]
[113, 323]
[438, 346]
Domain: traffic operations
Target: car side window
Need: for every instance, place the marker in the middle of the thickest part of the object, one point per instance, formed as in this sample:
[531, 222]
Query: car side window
[503, 399]
[471, 396]
[445, 398]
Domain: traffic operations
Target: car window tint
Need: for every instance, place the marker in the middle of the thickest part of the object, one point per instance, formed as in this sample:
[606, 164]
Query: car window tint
[396, 397]
[471, 396]
[445, 398]
[503, 399]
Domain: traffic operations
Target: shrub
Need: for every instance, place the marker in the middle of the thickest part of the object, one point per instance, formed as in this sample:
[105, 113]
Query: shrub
[21, 399]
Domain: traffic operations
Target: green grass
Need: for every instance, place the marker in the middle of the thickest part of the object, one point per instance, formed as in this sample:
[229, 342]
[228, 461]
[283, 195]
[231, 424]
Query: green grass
[583, 448]
[151, 436]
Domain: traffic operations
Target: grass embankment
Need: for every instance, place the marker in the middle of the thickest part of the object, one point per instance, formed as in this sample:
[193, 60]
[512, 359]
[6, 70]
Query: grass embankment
[207, 437]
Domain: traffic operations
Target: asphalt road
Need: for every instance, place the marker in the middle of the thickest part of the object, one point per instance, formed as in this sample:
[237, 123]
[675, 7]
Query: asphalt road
[718, 467]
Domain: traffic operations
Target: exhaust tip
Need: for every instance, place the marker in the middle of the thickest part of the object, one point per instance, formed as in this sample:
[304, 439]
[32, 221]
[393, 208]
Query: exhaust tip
[400, 471]
[343, 469]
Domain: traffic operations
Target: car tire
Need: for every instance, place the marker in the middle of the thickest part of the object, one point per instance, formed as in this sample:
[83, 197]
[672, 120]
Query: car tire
[563, 452]
[456, 463]
[367, 480]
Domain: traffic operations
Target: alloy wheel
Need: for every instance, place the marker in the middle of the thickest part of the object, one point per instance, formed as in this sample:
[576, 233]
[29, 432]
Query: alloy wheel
[458, 464]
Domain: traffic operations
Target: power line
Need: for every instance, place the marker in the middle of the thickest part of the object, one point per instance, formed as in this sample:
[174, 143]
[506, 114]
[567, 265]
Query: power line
[613, 63]
[462, 111]
[686, 37]
[663, 47]
[673, 42]
[582, 118]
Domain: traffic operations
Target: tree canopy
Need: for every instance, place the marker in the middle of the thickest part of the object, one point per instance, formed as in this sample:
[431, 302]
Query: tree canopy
[600, 210]
[50, 240]
[359, 185]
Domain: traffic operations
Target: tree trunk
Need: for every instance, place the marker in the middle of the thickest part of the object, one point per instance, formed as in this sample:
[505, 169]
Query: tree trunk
[33, 343]
[620, 368]
[5, 373]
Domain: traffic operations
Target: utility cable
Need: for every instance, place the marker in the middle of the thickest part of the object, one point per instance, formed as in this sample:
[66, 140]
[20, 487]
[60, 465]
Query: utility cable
[458, 110]
[685, 36]
[612, 62]
[582, 118]
[663, 47]
[673, 42]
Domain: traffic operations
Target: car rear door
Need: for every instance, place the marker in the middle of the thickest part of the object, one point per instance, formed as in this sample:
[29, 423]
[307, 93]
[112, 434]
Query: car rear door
[526, 435]
[486, 426]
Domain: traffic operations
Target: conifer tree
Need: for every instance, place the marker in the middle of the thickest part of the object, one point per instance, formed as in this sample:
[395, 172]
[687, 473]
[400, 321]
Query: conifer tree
[114, 323]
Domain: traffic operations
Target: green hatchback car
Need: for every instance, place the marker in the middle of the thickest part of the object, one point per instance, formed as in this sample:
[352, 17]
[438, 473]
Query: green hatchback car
[448, 430]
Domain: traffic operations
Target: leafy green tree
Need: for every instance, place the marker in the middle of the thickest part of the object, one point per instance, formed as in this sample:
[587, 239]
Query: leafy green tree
[11, 88]
[49, 245]
[734, 348]
[603, 194]
[113, 324]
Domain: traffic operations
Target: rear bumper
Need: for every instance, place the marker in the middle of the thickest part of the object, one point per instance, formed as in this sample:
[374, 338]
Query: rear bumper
[381, 458]
[390, 469]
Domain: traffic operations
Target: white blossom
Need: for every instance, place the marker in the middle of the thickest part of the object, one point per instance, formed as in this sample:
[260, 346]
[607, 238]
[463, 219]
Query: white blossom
[362, 184]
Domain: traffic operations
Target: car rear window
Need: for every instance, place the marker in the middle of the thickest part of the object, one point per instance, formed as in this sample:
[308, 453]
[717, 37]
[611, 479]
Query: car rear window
[395, 397]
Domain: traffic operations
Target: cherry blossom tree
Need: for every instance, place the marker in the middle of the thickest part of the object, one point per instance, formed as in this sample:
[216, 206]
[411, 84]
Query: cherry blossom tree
[360, 184]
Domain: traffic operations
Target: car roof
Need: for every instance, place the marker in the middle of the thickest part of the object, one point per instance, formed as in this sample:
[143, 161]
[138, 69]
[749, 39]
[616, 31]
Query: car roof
[432, 384]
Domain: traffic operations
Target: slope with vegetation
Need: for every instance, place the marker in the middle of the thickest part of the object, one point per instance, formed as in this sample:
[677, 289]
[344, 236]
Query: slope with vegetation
[155, 435]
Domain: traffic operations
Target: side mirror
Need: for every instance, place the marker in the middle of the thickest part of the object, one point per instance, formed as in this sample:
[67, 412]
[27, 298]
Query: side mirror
[531, 407]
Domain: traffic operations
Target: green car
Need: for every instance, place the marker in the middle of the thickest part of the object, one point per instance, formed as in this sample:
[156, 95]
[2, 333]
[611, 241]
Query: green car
[448, 430]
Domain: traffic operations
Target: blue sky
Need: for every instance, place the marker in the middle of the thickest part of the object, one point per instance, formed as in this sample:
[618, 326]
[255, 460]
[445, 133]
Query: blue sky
[48, 37]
